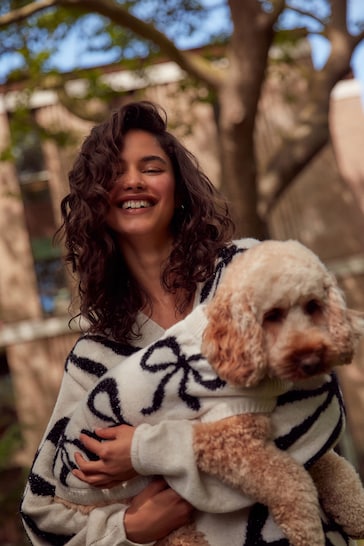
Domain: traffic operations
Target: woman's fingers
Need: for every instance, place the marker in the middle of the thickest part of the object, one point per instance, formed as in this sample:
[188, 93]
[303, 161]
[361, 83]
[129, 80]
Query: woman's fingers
[113, 452]
[90, 443]
[96, 479]
[91, 472]
[108, 433]
[89, 467]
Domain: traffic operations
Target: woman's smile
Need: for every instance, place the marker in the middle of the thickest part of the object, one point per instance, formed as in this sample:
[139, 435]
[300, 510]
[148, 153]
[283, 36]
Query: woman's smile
[133, 203]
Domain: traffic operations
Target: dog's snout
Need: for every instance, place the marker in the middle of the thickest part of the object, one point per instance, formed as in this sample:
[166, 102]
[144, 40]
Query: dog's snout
[309, 363]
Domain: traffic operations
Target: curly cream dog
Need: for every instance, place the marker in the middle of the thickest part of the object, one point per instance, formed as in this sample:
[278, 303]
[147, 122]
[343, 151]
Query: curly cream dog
[278, 312]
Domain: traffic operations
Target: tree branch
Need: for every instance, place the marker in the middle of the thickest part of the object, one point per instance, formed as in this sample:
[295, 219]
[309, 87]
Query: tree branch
[311, 131]
[342, 43]
[339, 11]
[305, 13]
[306, 139]
[358, 38]
[95, 111]
[18, 15]
[278, 7]
[193, 64]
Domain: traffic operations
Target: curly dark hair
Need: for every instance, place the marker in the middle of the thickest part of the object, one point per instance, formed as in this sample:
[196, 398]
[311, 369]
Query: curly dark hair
[109, 296]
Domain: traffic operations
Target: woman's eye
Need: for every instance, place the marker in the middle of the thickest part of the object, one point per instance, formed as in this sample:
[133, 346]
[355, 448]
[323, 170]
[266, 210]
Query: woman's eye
[152, 171]
[274, 315]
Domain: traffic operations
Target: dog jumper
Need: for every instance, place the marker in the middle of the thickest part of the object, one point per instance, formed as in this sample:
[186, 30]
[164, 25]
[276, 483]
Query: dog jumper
[161, 389]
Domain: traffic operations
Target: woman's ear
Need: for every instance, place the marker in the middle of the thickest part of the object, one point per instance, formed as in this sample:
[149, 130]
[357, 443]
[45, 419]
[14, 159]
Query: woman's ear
[234, 345]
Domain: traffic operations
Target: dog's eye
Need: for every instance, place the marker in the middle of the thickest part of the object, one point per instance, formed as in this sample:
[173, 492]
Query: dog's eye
[274, 315]
[312, 307]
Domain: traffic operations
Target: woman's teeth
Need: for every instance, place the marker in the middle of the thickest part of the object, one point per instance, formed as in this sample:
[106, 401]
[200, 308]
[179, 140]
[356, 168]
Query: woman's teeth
[135, 204]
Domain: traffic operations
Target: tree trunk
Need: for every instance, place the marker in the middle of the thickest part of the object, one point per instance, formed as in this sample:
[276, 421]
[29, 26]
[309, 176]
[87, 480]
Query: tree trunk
[238, 98]
[238, 168]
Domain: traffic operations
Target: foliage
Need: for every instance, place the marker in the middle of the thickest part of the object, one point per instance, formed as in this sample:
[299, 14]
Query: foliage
[132, 33]
[37, 42]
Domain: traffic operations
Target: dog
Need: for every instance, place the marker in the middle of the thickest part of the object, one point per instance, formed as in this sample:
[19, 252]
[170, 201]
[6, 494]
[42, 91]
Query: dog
[278, 313]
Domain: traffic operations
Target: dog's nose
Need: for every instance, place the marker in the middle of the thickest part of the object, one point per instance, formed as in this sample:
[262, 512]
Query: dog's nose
[310, 363]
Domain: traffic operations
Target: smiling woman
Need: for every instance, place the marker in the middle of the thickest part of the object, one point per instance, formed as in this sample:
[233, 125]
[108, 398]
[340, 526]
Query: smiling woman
[130, 256]
[149, 238]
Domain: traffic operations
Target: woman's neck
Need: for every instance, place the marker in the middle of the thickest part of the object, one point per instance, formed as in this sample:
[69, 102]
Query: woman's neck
[146, 266]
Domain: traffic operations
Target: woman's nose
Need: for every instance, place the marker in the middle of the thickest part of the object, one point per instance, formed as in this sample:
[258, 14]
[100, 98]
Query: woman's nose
[132, 179]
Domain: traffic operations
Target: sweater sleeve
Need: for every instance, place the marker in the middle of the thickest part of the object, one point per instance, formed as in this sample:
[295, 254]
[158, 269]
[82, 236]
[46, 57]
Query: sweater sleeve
[166, 449]
[307, 422]
[47, 522]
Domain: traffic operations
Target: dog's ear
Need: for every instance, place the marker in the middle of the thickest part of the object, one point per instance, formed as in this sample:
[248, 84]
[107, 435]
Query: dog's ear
[345, 326]
[233, 342]
[356, 319]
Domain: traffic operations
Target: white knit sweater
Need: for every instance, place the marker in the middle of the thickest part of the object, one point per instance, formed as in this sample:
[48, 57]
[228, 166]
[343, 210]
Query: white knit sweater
[162, 389]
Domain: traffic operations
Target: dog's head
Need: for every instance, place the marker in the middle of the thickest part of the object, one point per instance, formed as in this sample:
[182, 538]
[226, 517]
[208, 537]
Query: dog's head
[279, 312]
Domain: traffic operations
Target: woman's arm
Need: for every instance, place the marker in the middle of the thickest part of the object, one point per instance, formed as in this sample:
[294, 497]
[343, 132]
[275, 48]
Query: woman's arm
[151, 515]
[307, 422]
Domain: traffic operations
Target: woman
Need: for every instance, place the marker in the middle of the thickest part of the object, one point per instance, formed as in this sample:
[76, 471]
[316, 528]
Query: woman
[149, 237]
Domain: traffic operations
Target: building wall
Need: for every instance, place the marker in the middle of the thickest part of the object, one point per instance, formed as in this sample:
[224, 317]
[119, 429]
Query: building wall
[347, 127]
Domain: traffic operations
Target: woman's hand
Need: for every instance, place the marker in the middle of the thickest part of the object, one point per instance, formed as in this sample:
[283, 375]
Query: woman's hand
[114, 464]
[155, 512]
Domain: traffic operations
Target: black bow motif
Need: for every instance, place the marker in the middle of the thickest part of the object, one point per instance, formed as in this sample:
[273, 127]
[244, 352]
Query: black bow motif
[177, 363]
[110, 414]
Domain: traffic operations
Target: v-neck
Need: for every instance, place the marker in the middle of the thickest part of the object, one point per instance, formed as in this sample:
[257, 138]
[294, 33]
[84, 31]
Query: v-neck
[152, 331]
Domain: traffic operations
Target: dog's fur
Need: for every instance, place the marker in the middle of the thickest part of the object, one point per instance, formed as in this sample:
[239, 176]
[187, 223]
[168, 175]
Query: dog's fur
[278, 312]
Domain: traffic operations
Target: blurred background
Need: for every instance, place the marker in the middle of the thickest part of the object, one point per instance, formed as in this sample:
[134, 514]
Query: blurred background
[267, 94]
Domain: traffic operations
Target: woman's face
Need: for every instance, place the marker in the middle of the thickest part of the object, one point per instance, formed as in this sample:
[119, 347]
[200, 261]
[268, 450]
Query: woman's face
[142, 201]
